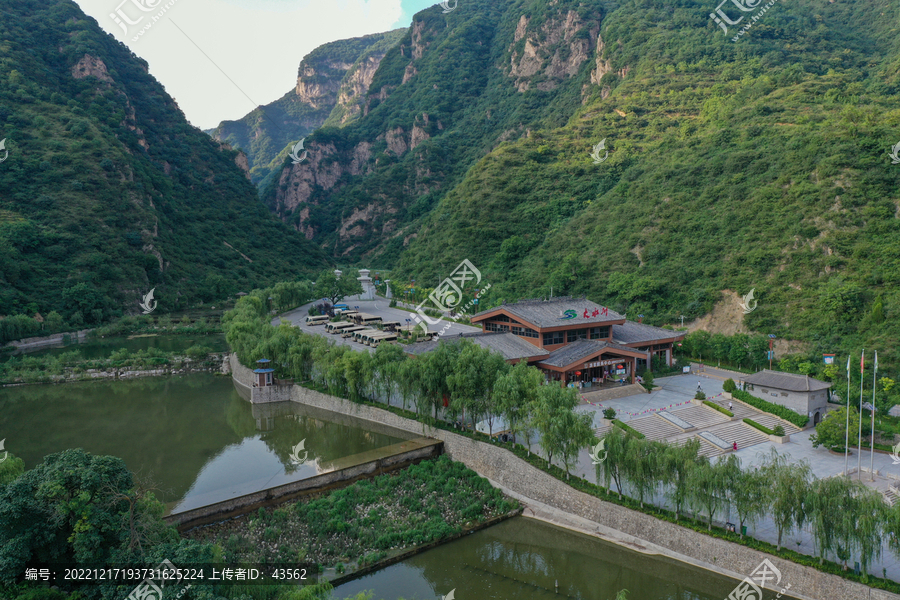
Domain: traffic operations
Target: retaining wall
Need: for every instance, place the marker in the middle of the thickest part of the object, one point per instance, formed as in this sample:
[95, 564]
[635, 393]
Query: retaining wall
[503, 467]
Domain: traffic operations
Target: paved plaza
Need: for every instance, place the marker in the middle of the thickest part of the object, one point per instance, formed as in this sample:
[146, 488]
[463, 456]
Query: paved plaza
[676, 392]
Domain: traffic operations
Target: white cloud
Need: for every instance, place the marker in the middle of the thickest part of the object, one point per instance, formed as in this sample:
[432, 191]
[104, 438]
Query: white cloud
[258, 44]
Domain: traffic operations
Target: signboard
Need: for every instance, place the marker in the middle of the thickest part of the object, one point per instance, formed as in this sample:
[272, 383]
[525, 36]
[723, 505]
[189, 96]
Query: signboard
[685, 369]
[620, 371]
[603, 363]
[828, 359]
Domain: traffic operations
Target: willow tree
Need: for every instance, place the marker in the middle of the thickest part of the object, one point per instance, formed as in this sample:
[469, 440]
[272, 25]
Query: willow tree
[515, 392]
[644, 462]
[749, 493]
[824, 504]
[615, 445]
[678, 462]
[872, 513]
[707, 488]
[789, 488]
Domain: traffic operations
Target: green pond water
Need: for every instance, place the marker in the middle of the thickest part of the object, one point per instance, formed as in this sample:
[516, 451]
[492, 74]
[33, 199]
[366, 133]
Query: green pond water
[192, 435]
[525, 558]
[95, 348]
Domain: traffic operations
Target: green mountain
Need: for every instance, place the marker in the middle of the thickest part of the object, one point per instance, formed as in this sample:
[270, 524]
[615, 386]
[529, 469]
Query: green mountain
[735, 161]
[331, 85]
[107, 191]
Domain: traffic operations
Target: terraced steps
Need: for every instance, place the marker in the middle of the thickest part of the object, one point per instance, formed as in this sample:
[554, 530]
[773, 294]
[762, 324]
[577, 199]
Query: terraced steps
[701, 416]
[654, 428]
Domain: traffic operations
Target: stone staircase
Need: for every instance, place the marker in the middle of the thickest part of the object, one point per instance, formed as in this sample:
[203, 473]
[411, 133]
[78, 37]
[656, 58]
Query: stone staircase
[701, 416]
[654, 428]
[891, 495]
[741, 433]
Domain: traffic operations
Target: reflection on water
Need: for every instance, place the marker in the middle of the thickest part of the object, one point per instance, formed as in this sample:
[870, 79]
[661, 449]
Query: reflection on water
[193, 435]
[528, 559]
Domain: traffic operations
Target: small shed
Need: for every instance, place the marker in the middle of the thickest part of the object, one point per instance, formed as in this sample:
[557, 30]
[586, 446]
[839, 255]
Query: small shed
[264, 374]
[800, 393]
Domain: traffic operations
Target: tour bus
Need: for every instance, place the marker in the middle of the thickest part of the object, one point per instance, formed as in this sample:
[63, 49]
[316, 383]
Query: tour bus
[366, 339]
[357, 336]
[347, 313]
[347, 332]
[387, 337]
[366, 319]
[337, 326]
[391, 325]
[312, 321]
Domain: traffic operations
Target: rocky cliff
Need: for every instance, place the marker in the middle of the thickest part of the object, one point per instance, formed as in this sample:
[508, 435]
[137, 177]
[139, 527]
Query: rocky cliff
[331, 82]
[438, 99]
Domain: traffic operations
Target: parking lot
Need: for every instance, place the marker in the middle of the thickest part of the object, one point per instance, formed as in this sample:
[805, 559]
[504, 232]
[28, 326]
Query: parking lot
[379, 308]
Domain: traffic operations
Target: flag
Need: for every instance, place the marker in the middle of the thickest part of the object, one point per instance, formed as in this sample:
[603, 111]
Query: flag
[848, 366]
[862, 362]
[876, 360]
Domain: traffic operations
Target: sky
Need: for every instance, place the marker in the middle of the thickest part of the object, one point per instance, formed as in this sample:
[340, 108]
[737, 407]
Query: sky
[220, 59]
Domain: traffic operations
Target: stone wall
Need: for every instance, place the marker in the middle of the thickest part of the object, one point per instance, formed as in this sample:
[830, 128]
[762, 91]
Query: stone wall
[799, 402]
[503, 467]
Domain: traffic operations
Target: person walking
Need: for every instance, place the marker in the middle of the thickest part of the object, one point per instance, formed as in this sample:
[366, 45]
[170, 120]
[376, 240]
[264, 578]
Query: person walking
[730, 407]
[699, 386]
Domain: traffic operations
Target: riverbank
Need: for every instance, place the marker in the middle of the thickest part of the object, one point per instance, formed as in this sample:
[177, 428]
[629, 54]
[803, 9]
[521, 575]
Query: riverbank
[712, 551]
[72, 367]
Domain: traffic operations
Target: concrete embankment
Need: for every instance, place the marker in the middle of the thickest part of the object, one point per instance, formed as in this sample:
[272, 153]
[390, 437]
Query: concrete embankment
[564, 505]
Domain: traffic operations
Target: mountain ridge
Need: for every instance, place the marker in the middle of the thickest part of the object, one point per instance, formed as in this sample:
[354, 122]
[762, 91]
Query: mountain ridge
[108, 191]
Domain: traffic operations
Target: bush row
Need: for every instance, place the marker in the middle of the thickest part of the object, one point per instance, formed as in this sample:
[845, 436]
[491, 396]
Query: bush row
[775, 409]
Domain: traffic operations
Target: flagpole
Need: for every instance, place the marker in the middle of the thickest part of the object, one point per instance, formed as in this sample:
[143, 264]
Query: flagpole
[872, 441]
[847, 428]
[862, 370]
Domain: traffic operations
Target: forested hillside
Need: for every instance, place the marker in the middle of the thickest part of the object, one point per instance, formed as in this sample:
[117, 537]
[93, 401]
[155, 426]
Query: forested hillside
[107, 191]
[757, 163]
[331, 84]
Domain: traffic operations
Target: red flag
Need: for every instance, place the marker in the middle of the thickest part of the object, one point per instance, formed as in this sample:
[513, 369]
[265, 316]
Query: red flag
[862, 362]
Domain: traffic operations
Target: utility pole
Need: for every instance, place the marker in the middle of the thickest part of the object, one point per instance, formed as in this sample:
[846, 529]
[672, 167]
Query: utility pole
[771, 352]
[682, 320]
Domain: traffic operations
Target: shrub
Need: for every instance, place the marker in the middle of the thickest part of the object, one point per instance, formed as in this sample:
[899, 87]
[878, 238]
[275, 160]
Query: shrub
[775, 409]
[728, 385]
[609, 413]
[778, 430]
[198, 352]
[700, 395]
[721, 409]
[762, 428]
[648, 380]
